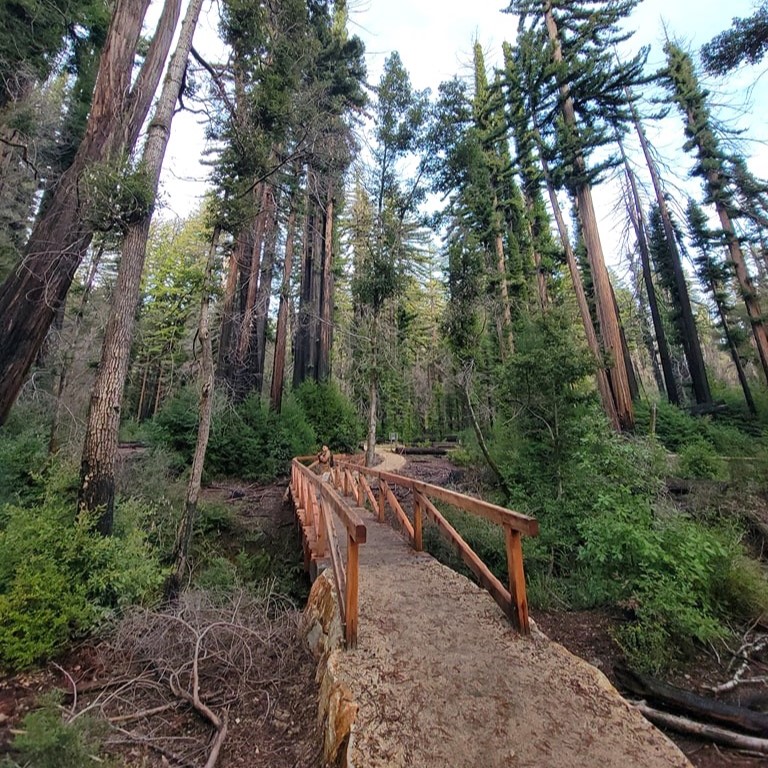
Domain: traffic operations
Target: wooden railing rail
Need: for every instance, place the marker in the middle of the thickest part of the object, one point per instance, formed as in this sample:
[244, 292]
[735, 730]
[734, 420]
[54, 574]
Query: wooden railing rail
[316, 503]
[512, 598]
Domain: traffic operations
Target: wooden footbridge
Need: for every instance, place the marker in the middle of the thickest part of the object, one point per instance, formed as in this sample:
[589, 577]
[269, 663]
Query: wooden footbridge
[439, 676]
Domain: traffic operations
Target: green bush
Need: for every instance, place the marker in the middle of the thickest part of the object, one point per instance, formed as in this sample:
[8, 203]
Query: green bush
[23, 455]
[699, 460]
[255, 443]
[46, 741]
[331, 415]
[59, 578]
[249, 441]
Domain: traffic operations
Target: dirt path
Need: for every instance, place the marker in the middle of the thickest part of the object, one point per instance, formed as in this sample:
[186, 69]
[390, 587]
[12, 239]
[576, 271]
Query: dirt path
[441, 679]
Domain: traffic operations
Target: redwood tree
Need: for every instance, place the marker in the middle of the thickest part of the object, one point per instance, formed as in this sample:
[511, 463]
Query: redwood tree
[31, 296]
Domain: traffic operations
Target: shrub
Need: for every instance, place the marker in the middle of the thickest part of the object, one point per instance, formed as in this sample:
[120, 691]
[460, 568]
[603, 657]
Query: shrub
[699, 460]
[331, 415]
[248, 441]
[59, 578]
[23, 455]
[46, 741]
[255, 443]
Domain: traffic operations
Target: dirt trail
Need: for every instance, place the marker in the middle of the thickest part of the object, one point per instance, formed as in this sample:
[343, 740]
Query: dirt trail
[441, 679]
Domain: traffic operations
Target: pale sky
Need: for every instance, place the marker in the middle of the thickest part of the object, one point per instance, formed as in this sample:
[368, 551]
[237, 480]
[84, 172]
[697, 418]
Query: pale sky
[435, 38]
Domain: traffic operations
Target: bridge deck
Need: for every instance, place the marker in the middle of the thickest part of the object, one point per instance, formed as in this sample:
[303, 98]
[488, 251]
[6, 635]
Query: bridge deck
[442, 680]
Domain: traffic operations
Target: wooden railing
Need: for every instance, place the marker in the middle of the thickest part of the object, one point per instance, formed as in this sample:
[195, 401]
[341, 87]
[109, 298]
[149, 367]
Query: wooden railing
[351, 479]
[316, 503]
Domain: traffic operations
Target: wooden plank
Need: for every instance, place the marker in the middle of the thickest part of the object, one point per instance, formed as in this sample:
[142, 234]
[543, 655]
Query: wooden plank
[339, 575]
[395, 504]
[475, 564]
[493, 512]
[519, 601]
[369, 493]
[350, 485]
[350, 518]
[418, 526]
[382, 503]
[353, 571]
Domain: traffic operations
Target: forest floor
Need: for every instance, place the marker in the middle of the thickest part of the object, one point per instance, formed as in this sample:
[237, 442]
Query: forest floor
[272, 722]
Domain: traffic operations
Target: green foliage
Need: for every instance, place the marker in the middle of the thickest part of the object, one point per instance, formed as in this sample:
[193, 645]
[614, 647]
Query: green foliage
[746, 41]
[23, 455]
[333, 418]
[46, 741]
[255, 443]
[59, 578]
[699, 460]
[118, 194]
[249, 441]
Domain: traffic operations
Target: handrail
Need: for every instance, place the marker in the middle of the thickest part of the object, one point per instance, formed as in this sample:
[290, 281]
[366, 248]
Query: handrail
[512, 600]
[316, 502]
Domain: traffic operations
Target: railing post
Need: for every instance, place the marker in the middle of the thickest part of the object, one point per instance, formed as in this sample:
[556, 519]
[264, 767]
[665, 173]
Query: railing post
[382, 501]
[360, 492]
[519, 602]
[318, 512]
[352, 592]
[418, 525]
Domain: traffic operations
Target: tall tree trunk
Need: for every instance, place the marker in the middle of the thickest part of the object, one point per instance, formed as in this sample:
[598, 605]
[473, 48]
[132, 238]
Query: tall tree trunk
[635, 210]
[281, 333]
[608, 319]
[373, 407]
[301, 342]
[244, 350]
[748, 291]
[691, 343]
[264, 293]
[326, 293]
[506, 344]
[236, 261]
[97, 470]
[733, 349]
[31, 296]
[603, 384]
[646, 330]
[205, 411]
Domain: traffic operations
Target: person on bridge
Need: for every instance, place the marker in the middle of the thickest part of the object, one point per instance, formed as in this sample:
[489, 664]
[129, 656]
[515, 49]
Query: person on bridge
[324, 462]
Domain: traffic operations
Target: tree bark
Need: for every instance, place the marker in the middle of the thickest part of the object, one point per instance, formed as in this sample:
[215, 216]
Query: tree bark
[326, 294]
[603, 385]
[635, 210]
[691, 343]
[608, 319]
[31, 296]
[264, 293]
[205, 411]
[281, 333]
[97, 471]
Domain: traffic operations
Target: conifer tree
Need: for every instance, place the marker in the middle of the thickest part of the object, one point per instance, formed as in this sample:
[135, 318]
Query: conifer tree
[715, 275]
[580, 86]
[712, 167]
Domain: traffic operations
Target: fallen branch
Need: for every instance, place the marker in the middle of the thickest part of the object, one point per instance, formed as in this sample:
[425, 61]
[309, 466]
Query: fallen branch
[745, 653]
[690, 703]
[702, 730]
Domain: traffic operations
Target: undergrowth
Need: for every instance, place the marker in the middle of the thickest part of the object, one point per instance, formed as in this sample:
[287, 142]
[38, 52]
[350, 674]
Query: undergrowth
[608, 535]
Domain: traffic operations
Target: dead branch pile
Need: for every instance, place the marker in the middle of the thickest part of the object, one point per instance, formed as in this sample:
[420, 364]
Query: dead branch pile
[206, 676]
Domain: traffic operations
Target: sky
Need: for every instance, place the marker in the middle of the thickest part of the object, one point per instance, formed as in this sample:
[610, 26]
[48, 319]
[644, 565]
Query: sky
[435, 39]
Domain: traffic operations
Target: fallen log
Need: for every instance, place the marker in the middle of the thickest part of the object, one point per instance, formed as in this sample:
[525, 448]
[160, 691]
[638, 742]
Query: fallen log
[415, 450]
[702, 730]
[688, 703]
